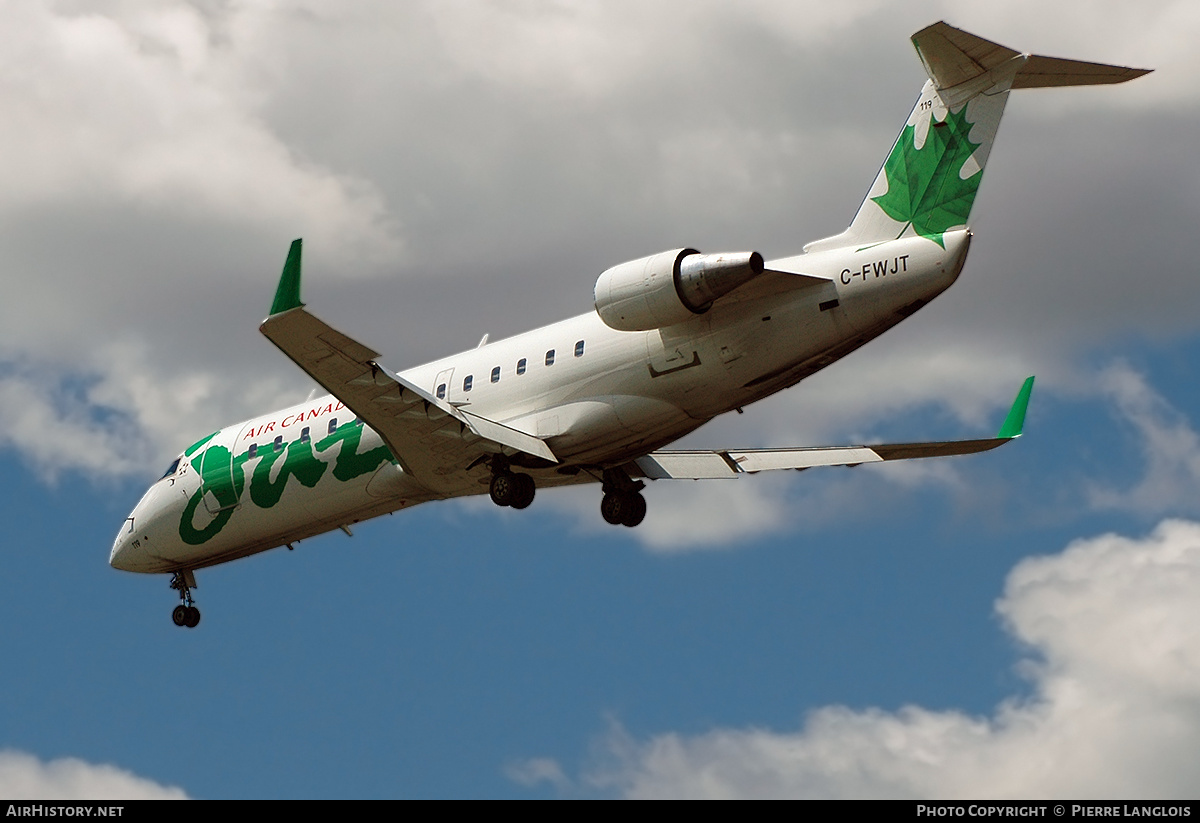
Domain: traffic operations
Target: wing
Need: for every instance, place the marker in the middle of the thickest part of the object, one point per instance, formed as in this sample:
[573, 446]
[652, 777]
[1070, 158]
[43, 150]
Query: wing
[707, 465]
[435, 442]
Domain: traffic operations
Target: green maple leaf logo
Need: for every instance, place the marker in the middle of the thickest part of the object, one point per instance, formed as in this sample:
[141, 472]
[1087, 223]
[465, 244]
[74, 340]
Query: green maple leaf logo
[924, 187]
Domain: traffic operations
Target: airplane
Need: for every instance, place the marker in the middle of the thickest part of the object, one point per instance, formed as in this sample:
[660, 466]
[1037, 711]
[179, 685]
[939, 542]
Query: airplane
[675, 339]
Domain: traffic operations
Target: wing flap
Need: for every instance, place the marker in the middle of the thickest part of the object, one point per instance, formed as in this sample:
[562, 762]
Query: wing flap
[760, 460]
[692, 465]
[500, 433]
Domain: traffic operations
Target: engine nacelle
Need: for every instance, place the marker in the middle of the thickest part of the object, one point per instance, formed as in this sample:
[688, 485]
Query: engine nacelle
[670, 287]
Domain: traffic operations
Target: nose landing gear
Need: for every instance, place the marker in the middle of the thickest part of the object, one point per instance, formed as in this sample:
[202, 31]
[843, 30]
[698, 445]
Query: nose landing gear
[186, 614]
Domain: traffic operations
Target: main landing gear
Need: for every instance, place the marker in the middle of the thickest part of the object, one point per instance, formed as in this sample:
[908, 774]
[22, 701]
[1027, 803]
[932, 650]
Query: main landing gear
[622, 504]
[186, 614]
[510, 489]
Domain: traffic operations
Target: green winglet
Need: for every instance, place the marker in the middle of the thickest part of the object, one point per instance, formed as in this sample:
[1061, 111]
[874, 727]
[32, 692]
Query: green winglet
[1016, 415]
[287, 296]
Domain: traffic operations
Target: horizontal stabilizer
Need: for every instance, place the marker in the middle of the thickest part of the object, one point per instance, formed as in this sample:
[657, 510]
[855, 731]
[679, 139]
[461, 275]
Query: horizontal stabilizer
[962, 64]
[1046, 72]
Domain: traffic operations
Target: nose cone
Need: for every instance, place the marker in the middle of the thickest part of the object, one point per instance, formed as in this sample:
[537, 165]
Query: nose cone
[145, 537]
[122, 551]
[129, 552]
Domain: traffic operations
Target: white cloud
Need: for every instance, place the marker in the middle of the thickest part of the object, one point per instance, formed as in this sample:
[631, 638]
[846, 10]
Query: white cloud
[56, 429]
[68, 778]
[1169, 445]
[537, 770]
[136, 105]
[1113, 712]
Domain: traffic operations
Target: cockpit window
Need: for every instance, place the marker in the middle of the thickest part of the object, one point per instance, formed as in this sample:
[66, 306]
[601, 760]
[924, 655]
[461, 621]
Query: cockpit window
[172, 469]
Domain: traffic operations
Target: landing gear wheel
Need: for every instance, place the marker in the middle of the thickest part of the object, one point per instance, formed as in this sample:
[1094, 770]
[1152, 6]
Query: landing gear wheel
[525, 490]
[623, 508]
[635, 510]
[612, 508]
[185, 614]
[503, 489]
[623, 504]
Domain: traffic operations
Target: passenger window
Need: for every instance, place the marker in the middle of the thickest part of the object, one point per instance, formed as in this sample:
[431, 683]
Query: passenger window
[579, 349]
[496, 375]
[279, 443]
[521, 366]
[550, 358]
[304, 436]
[467, 382]
[441, 392]
[252, 451]
[333, 425]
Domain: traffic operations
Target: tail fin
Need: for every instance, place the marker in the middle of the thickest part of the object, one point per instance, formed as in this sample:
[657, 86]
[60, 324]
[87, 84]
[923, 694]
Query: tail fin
[928, 182]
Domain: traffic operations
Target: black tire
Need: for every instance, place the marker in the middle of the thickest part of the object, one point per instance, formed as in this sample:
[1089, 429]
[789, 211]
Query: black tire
[503, 489]
[180, 615]
[193, 617]
[526, 489]
[635, 510]
[612, 508]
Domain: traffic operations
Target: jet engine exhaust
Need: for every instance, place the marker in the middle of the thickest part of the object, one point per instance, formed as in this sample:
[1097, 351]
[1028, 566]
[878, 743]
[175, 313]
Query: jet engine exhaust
[672, 287]
[705, 277]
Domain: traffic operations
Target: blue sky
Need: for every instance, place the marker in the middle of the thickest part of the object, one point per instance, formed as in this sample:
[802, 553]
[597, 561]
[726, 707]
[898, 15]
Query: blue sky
[462, 168]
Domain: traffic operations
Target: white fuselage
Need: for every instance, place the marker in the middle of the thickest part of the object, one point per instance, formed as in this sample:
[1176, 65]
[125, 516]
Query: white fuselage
[603, 398]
